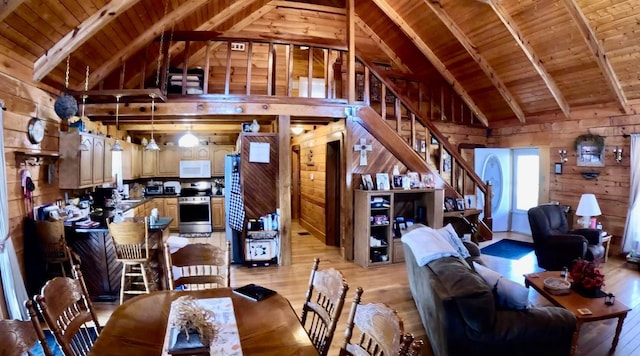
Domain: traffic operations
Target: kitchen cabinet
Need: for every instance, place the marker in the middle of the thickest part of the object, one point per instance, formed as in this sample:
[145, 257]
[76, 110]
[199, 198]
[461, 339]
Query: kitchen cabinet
[195, 153]
[131, 161]
[169, 161]
[217, 158]
[81, 169]
[217, 213]
[149, 164]
[171, 210]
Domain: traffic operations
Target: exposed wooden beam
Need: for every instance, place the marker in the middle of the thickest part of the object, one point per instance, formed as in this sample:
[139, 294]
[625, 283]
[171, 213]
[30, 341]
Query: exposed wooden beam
[139, 42]
[109, 95]
[383, 46]
[168, 128]
[477, 57]
[528, 51]
[303, 6]
[9, 6]
[431, 56]
[351, 55]
[597, 49]
[74, 39]
[284, 188]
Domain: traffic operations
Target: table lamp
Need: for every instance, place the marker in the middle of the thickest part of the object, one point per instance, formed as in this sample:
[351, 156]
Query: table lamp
[588, 209]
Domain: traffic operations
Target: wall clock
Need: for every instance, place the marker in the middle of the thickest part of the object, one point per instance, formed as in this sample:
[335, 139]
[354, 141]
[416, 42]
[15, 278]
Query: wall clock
[35, 130]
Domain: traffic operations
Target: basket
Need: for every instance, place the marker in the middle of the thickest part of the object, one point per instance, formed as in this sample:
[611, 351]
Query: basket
[557, 286]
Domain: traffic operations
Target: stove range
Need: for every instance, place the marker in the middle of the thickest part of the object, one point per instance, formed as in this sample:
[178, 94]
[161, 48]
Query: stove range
[194, 208]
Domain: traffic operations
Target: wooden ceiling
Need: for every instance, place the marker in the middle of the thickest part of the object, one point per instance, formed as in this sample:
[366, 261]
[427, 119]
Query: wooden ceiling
[514, 60]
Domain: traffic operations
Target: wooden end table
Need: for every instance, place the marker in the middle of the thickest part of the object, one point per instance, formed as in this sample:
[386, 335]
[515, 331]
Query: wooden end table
[607, 240]
[574, 301]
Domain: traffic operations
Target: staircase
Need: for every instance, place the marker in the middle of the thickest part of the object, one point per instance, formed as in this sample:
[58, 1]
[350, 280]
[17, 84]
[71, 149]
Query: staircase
[400, 113]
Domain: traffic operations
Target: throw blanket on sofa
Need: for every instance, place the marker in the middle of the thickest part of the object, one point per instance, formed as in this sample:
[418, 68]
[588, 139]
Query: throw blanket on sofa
[428, 245]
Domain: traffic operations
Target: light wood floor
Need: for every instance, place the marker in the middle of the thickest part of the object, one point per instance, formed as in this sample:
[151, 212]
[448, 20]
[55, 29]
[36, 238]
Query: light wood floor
[389, 285]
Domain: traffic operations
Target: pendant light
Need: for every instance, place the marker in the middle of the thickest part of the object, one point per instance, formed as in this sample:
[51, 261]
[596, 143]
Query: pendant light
[117, 147]
[152, 146]
[188, 140]
[83, 146]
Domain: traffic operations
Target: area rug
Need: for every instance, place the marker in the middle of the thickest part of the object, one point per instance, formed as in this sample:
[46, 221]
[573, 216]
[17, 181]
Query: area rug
[511, 249]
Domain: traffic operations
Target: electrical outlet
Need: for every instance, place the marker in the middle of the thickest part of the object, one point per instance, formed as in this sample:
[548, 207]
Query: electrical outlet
[237, 46]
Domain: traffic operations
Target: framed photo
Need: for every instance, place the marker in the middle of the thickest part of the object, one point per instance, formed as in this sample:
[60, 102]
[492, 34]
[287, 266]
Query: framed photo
[414, 179]
[557, 168]
[428, 180]
[470, 202]
[459, 204]
[367, 182]
[397, 181]
[382, 180]
[450, 204]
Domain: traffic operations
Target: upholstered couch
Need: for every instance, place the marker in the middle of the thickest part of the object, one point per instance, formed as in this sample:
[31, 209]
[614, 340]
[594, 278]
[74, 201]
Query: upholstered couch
[461, 317]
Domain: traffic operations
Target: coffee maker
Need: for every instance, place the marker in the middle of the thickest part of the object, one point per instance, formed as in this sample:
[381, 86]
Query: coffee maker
[104, 198]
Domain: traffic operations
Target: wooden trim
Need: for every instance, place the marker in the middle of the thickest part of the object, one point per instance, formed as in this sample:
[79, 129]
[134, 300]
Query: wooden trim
[249, 60]
[309, 71]
[311, 7]
[397, 112]
[227, 75]
[351, 40]
[284, 188]
[289, 55]
[207, 64]
[270, 69]
[382, 45]
[367, 86]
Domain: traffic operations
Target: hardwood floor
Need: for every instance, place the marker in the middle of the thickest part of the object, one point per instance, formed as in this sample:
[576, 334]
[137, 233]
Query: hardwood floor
[389, 285]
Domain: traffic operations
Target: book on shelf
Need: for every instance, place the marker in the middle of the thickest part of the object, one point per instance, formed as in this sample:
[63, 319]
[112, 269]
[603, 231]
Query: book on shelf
[254, 292]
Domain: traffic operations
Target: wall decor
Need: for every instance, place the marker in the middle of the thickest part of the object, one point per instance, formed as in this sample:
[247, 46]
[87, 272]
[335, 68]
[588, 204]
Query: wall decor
[557, 168]
[589, 150]
[363, 147]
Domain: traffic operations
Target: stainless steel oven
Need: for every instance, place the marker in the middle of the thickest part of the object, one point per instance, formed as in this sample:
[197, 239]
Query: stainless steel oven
[194, 208]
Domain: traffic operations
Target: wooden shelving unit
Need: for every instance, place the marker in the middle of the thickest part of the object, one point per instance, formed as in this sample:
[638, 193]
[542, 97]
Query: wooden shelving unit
[375, 211]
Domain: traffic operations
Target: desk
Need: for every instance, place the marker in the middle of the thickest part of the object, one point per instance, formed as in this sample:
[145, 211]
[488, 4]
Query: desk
[268, 327]
[573, 301]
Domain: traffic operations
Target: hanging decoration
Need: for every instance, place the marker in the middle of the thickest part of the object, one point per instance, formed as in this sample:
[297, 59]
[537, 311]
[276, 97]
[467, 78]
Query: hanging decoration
[152, 146]
[66, 105]
[117, 147]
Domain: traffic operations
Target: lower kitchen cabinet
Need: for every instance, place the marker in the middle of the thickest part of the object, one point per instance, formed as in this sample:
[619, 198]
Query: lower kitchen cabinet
[217, 213]
[171, 210]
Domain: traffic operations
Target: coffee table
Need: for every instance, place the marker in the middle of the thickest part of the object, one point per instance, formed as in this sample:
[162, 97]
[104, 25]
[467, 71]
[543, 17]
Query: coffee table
[574, 301]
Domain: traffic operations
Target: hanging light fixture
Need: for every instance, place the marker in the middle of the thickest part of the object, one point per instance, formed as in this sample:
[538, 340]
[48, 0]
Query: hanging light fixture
[117, 147]
[152, 146]
[188, 140]
[83, 146]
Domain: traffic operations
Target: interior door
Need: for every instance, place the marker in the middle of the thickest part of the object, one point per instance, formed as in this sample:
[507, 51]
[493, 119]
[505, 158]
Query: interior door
[494, 165]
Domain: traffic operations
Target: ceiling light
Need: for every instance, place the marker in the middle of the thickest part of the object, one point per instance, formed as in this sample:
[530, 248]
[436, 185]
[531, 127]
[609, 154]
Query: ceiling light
[152, 146]
[117, 147]
[297, 130]
[188, 140]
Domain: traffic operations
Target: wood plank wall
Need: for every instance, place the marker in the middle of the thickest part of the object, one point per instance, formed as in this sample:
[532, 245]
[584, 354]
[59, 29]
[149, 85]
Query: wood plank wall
[259, 180]
[612, 185]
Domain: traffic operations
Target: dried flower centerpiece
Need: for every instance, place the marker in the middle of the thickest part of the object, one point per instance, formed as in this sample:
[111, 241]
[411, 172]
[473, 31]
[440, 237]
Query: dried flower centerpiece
[192, 327]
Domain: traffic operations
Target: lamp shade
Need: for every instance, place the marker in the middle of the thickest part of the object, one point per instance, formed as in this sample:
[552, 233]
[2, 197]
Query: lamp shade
[188, 140]
[588, 206]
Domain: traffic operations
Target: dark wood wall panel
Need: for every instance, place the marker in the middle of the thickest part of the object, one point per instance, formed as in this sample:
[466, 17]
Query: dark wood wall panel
[259, 180]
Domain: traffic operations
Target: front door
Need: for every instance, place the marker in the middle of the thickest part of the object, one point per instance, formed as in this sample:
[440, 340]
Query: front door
[494, 165]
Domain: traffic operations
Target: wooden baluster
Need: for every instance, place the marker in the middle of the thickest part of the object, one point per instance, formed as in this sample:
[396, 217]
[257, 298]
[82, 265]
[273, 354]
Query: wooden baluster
[270, 70]
[249, 60]
[367, 87]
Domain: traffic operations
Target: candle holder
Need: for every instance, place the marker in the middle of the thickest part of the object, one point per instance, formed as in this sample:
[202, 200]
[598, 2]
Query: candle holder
[609, 299]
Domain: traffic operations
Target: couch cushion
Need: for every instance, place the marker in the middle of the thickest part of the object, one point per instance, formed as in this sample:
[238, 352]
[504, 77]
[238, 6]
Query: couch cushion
[474, 299]
[509, 294]
[450, 234]
[427, 245]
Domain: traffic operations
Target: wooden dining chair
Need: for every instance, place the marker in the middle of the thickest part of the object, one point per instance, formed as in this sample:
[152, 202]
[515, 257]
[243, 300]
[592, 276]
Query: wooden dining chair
[54, 245]
[66, 307]
[198, 266]
[323, 305]
[376, 330]
[131, 245]
[20, 337]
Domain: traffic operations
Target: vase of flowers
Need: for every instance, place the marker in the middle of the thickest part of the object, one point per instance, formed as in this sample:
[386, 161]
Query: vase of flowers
[587, 277]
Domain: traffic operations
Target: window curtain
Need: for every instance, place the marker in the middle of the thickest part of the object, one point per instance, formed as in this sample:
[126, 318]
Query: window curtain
[14, 290]
[632, 226]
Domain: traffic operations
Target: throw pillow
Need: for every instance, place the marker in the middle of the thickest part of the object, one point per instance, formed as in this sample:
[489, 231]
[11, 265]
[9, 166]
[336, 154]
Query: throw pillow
[509, 294]
[450, 234]
[427, 245]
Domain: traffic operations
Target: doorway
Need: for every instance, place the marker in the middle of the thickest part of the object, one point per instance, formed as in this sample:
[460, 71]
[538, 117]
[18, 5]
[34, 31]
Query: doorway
[332, 194]
[295, 182]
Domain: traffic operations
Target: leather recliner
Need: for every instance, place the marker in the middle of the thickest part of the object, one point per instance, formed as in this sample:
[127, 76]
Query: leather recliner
[555, 245]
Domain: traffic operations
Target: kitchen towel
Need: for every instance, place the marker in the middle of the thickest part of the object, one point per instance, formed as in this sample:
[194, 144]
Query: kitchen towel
[236, 205]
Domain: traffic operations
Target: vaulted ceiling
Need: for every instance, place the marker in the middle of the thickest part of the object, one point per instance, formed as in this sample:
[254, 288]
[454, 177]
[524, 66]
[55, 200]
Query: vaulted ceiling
[513, 60]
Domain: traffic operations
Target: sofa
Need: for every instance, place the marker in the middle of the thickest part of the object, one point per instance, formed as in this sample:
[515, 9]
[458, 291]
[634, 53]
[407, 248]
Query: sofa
[461, 316]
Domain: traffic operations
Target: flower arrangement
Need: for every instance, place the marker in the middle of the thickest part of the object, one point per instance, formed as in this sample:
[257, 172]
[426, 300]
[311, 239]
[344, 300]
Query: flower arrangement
[586, 275]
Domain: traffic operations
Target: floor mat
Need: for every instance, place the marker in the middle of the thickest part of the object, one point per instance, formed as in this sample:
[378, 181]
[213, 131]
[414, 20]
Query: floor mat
[511, 249]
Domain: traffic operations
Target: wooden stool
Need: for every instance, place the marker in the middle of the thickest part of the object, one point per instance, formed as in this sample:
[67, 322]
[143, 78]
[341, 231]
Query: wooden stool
[131, 243]
[54, 245]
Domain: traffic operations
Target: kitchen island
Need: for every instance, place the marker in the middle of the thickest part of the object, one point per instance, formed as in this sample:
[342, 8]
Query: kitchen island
[98, 264]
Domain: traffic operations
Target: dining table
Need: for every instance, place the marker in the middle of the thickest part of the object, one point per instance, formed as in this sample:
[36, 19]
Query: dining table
[267, 327]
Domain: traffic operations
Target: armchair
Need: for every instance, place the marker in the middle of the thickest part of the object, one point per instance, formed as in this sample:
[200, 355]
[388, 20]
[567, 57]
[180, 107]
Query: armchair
[555, 245]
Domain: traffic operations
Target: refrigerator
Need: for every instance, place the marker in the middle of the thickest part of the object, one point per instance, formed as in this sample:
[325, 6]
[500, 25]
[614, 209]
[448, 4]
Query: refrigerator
[231, 163]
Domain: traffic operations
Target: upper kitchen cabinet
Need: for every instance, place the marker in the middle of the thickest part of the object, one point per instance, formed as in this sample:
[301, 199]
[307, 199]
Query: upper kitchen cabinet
[131, 161]
[81, 168]
[149, 164]
[169, 161]
[217, 158]
[195, 153]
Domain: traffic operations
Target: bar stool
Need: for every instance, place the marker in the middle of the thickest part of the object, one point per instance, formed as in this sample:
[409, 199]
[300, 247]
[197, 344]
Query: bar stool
[131, 244]
[54, 245]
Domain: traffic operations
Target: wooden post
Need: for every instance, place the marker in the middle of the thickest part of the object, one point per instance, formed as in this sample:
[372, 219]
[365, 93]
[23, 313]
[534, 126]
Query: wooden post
[249, 59]
[207, 64]
[270, 70]
[351, 38]
[227, 77]
[185, 66]
[284, 188]
[367, 87]
[290, 70]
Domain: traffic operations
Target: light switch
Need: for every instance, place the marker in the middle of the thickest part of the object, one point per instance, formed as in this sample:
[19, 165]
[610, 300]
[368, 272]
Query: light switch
[311, 176]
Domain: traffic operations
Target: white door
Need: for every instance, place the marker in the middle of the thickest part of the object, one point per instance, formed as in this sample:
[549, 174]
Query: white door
[494, 165]
[526, 185]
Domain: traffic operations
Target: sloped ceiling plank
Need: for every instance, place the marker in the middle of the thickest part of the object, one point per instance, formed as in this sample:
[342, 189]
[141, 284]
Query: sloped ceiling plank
[598, 52]
[142, 40]
[74, 39]
[299, 5]
[208, 25]
[397, 61]
[511, 26]
[393, 15]
[478, 58]
[7, 7]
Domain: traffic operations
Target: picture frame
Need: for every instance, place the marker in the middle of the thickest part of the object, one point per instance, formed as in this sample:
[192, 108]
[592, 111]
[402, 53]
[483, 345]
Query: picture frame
[470, 202]
[450, 204]
[428, 180]
[590, 154]
[382, 181]
[459, 204]
[557, 168]
[414, 179]
[367, 182]
[397, 181]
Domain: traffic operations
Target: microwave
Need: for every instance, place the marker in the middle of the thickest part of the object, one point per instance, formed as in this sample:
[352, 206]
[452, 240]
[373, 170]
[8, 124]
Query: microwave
[195, 169]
